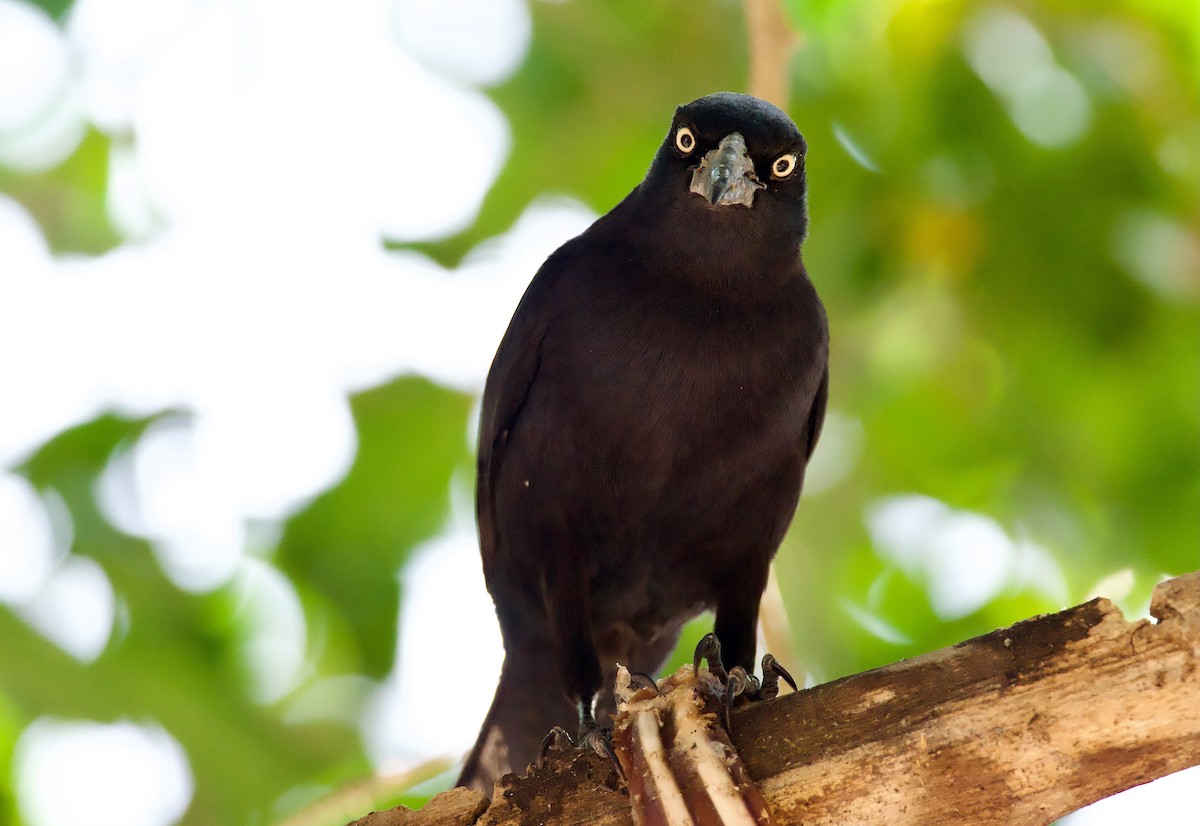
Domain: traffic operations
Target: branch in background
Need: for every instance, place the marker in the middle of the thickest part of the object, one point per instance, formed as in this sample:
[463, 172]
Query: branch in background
[772, 42]
[350, 800]
[1017, 727]
[775, 629]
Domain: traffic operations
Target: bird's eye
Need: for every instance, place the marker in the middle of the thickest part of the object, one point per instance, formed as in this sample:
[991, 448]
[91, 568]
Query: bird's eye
[685, 141]
[784, 165]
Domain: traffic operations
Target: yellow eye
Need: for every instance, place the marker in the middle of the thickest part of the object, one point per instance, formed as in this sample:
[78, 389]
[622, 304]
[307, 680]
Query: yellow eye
[784, 165]
[685, 141]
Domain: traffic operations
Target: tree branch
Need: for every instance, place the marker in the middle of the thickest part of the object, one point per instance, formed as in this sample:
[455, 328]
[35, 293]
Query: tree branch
[772, 42]
[1017, 727]
[1020, 726]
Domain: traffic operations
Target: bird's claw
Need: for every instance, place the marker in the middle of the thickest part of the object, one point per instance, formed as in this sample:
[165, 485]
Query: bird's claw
[709, 648]
[592, 737]
[772, 673]
[640, 679]
[737, 682]
[556, 739]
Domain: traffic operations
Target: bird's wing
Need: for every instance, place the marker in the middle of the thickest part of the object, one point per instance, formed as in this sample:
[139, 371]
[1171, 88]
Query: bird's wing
[816, 414]
[509, 381]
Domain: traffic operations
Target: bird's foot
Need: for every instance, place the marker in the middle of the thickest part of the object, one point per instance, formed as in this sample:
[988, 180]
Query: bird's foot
[556, 739]
[737, 682]
[592, 737]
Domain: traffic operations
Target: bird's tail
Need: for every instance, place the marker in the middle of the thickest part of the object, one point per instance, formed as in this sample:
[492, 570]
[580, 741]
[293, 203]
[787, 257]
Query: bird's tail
[528, 703]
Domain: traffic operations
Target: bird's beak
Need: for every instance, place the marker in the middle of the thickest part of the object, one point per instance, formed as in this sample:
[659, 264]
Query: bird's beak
[726, 174]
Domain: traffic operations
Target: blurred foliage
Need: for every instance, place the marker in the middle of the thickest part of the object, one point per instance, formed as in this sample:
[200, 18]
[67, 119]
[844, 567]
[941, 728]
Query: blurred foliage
[349, 543]
[989, 339]
[173, 658]
[68, 200]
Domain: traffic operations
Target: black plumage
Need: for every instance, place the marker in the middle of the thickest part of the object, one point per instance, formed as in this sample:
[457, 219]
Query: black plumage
[646, 424]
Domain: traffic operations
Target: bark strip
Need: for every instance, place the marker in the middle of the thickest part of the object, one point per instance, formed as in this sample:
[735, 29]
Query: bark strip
[678, 761]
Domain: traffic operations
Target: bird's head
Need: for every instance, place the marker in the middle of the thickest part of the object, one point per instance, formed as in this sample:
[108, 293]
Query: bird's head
[733, 162]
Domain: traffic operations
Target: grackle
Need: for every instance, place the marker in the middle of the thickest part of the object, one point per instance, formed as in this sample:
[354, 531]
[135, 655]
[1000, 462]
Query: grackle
[646, 425]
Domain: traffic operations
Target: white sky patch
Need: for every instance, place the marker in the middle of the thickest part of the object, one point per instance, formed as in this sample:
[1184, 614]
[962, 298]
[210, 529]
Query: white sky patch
[1036, 569]
[24, 251]
[160, 489]
[1173, 798]
[479, 41]
[259, 338]
[47, 141]
[33, 63]
[242, 136]
[967, 561]
[276, 634]
[1160, 252]
[74, 608]
[261, 358]
[67, 599]
[836, 454]
[1004, 47]
[41, 120]
[449, 656]
[1046, 102]
[901, 525]
[1117, 586]
[964, 559]
[119, 774]
[126, 199]
[239, 126]
[118, 43]
[28, 551]
[1051, 107]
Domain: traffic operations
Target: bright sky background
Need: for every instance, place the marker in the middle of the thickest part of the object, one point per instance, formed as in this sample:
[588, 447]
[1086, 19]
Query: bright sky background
[263, 336]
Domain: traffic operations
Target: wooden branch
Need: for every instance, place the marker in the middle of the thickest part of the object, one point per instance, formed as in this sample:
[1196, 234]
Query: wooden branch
[1020, 726]
[1017, 727]
[772, 42]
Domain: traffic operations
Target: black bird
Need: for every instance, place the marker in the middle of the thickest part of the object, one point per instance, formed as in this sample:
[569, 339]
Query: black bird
[646, 425]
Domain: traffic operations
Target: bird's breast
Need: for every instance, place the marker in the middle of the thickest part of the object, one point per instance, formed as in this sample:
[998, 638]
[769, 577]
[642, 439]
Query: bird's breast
[655, 421]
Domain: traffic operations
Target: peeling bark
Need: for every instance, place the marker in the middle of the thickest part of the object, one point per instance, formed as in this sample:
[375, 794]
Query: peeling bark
[679, 765]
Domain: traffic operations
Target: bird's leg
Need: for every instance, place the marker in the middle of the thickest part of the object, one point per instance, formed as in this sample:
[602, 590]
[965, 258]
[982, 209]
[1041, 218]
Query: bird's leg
[595, 737]
[737, 618]
[592, 737]
[591, 734]
[580, 664]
